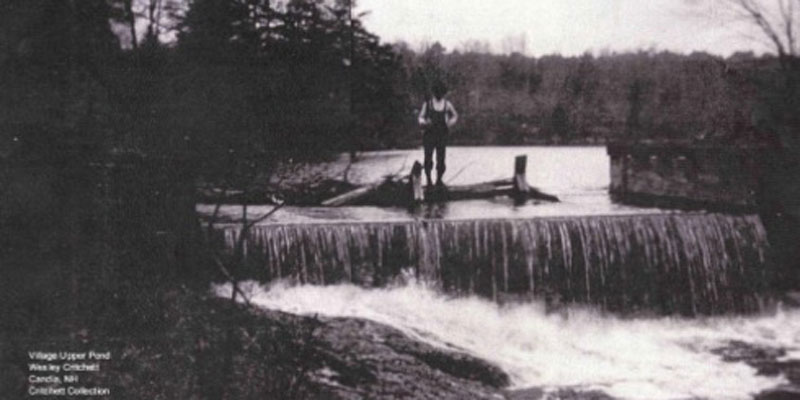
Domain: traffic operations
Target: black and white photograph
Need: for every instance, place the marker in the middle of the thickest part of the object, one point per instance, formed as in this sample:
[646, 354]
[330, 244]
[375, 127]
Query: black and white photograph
[400, 199]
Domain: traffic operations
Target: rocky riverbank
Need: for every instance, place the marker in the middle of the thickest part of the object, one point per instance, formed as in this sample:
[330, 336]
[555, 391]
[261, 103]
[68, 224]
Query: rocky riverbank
[768, 361]
[209, 347]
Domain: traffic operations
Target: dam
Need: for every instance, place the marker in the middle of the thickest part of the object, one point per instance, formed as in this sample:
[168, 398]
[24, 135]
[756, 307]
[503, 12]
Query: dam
[586, 294]
[584, 250]
[687, 263]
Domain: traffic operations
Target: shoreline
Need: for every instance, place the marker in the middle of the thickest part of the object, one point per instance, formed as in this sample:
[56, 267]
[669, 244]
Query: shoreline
[210, 345]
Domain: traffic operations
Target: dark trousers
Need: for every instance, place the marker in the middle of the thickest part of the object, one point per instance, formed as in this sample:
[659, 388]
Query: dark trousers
[434, 142]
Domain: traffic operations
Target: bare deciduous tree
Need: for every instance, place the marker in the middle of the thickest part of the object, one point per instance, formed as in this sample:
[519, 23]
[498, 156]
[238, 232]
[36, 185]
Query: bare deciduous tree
[777, 20]
[151, 21]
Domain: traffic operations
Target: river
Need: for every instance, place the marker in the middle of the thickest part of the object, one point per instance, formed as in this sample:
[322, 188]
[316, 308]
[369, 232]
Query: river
[644, 358]
[586, 248]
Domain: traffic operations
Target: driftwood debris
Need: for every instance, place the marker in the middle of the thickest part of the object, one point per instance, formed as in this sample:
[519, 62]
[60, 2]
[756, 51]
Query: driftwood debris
[349, 197]
[483, 190]
[410, 190]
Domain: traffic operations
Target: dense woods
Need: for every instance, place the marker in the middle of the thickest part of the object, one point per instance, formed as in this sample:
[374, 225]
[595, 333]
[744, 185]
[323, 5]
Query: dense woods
[111, 112]
[647, 95]
[209, 79]
[222, 79]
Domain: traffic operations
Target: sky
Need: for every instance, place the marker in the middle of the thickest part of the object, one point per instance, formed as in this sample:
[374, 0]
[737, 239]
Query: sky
[566, 27]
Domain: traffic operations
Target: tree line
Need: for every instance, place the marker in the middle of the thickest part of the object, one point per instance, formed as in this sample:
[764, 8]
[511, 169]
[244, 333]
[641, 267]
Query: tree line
[212, 80]
[276, 79]
[638, 96]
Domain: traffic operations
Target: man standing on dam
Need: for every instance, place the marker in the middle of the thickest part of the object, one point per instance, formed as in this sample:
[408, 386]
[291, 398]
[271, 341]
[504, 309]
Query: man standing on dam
[436, 117]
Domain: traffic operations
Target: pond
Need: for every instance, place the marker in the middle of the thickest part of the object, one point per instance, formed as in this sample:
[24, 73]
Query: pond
[579, 176]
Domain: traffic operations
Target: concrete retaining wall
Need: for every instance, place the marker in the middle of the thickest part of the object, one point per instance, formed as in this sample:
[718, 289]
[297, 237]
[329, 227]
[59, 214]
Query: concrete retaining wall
[661, 175]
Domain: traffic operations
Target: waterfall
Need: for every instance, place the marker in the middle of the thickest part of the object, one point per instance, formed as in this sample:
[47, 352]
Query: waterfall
[665, 263]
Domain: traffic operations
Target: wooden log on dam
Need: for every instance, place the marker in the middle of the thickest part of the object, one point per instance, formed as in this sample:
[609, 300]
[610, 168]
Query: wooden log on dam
[409, 190]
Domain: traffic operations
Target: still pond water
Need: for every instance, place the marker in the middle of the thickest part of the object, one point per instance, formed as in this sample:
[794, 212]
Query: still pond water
[579, 176]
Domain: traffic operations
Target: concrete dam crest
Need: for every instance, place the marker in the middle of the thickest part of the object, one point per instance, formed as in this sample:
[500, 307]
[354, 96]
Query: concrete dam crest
[667, 263]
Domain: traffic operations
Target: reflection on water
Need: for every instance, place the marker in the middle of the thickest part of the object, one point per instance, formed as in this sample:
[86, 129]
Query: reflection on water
[430, 211]
[579, 176]
[563, 170]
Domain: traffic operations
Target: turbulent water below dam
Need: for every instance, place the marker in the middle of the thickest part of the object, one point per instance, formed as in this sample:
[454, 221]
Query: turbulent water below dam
[589, 303]
[578, 347]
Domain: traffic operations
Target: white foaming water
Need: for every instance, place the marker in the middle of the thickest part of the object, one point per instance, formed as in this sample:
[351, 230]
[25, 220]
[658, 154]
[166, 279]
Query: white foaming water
[645, 358]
